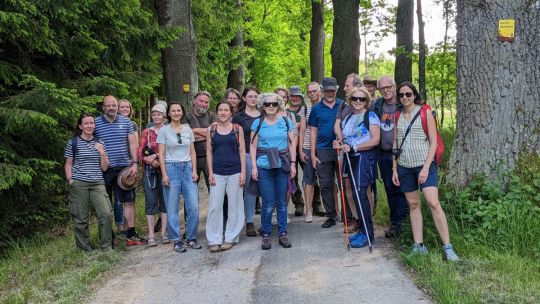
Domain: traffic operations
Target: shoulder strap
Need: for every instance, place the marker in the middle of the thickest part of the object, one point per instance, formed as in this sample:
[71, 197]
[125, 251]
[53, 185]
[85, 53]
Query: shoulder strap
[261, 119]
[74, 149]
[366, 119]
[408, 127]
[286, 121]
[378, 107]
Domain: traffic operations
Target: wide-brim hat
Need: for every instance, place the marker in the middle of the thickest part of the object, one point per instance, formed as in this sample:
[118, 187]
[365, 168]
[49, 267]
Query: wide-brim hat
[124, 181]
[370, 80]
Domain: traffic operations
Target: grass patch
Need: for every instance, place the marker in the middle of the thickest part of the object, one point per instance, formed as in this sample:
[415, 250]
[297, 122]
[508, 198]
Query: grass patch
[50, 269]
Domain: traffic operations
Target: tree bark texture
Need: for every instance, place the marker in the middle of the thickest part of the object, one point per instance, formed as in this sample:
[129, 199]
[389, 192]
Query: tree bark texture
[236, 77]
[421, 51]
[498, 113]
[345, 48]
[316, 42]
[404, 41]
[179, 60]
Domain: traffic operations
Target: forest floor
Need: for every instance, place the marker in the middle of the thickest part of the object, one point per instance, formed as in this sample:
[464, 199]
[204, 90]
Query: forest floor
[317, 269]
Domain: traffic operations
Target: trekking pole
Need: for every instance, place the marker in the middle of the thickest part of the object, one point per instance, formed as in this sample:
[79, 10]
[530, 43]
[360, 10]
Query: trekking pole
[347, 242]
[358, 198]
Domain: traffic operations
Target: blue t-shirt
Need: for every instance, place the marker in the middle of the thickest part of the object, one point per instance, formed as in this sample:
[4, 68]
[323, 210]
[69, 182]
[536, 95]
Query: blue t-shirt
[271, 136]
[115, 136]
[323, 118]
[354, 130]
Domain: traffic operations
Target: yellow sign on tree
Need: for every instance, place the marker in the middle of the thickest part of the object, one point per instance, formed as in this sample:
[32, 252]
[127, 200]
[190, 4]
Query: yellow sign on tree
[507, 29]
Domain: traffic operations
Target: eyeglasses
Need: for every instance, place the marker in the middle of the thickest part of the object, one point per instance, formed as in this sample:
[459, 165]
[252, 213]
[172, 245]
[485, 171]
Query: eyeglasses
[408, 94]
[179, 136]
[386, 88]
[355, 98]
[271, 104]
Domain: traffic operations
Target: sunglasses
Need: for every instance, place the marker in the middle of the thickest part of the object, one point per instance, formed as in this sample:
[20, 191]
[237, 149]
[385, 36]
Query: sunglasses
[408, 94]
[355, 98]
[179, 136]
[274, 104]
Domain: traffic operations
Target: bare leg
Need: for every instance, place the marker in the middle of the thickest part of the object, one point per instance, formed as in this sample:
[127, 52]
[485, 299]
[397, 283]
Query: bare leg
[308, 192]
[439, 218]
[129, 214]
[150, 221]
[416, 216]
[163, 224]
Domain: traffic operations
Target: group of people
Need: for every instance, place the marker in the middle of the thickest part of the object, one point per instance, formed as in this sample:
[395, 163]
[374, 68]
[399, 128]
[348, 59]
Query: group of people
[251, 148]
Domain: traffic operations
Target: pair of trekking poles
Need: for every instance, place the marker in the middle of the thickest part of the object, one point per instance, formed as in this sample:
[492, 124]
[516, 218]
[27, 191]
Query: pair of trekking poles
[351, 176]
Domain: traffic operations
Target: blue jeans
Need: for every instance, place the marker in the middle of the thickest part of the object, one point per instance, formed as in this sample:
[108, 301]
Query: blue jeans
[273, 185]
[396, 199]
[180, 183]
[249, 199]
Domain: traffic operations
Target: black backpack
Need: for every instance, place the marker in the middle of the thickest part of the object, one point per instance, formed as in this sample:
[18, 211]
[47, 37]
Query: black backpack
[365, 121]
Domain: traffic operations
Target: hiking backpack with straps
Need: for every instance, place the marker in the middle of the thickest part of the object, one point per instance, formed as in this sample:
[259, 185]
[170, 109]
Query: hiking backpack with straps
[424, 109]
[365, 121]
[74, 143]
[261, 120]
[213, 131]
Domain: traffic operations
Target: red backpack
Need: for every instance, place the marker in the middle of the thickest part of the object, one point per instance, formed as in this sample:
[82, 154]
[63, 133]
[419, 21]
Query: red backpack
[424, 109]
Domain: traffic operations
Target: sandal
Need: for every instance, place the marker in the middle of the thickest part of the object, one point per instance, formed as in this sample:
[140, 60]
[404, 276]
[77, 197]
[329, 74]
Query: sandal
[152, 242]
[165, 240]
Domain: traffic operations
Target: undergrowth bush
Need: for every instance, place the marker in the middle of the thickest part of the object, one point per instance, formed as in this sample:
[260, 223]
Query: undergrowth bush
[502, 218]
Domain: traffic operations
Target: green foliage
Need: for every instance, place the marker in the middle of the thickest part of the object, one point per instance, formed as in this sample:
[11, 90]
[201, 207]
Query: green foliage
[57, 58]
[505, 219]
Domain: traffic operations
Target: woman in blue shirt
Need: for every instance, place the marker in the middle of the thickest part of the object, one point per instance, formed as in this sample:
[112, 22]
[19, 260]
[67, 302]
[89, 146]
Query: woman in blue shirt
[360, 142]
[271, 154]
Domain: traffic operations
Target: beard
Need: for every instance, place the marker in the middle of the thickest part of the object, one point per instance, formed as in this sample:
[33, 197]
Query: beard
[200, 111]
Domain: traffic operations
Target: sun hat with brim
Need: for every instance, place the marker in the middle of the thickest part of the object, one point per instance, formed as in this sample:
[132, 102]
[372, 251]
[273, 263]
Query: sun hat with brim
[124, 181]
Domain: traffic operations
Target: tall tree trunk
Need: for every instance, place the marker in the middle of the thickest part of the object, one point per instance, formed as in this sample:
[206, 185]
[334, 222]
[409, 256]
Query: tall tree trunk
[404, 41]
[498, 116]
[316, 42]
[236, 77]
[345, 48]
[421, 51]
[180, 60]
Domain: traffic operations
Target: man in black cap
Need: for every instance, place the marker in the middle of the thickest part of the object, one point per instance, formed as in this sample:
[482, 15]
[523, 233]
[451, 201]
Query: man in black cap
[323, 156]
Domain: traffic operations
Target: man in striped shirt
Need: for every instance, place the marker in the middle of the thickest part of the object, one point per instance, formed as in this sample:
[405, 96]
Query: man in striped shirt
[118, 134]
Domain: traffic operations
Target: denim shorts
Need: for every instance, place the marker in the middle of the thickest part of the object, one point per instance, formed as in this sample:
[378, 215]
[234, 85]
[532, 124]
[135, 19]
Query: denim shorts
[408, 178]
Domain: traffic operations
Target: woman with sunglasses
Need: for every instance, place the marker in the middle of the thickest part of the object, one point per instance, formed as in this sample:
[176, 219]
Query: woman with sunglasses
[153, 190]
[272, 152]
[248, 112]
[86, 159]
[414, 167]
[225, 156]
[361, 135]
[179, 176]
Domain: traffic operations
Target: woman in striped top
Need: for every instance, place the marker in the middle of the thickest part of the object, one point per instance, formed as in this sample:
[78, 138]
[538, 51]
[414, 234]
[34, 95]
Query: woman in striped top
[86, 158]
[414, 167]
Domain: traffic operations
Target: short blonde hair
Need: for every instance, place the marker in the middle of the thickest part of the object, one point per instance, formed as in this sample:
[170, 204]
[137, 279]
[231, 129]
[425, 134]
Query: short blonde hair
[362, 90]
[269, 97]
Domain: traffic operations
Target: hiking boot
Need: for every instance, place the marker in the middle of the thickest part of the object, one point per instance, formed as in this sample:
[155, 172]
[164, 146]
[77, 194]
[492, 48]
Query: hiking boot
[136, 240]
[420, 249]
[284, 241]
[329, 223]
[356, 236]
[193, 244]
[449, 253]
[250, 230]
[179, 246]
[393, 232]
[266, 243]
[298, 209]
[157, 227]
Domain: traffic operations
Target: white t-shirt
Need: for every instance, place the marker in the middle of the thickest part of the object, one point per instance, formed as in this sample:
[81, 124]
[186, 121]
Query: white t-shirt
[175, 151]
